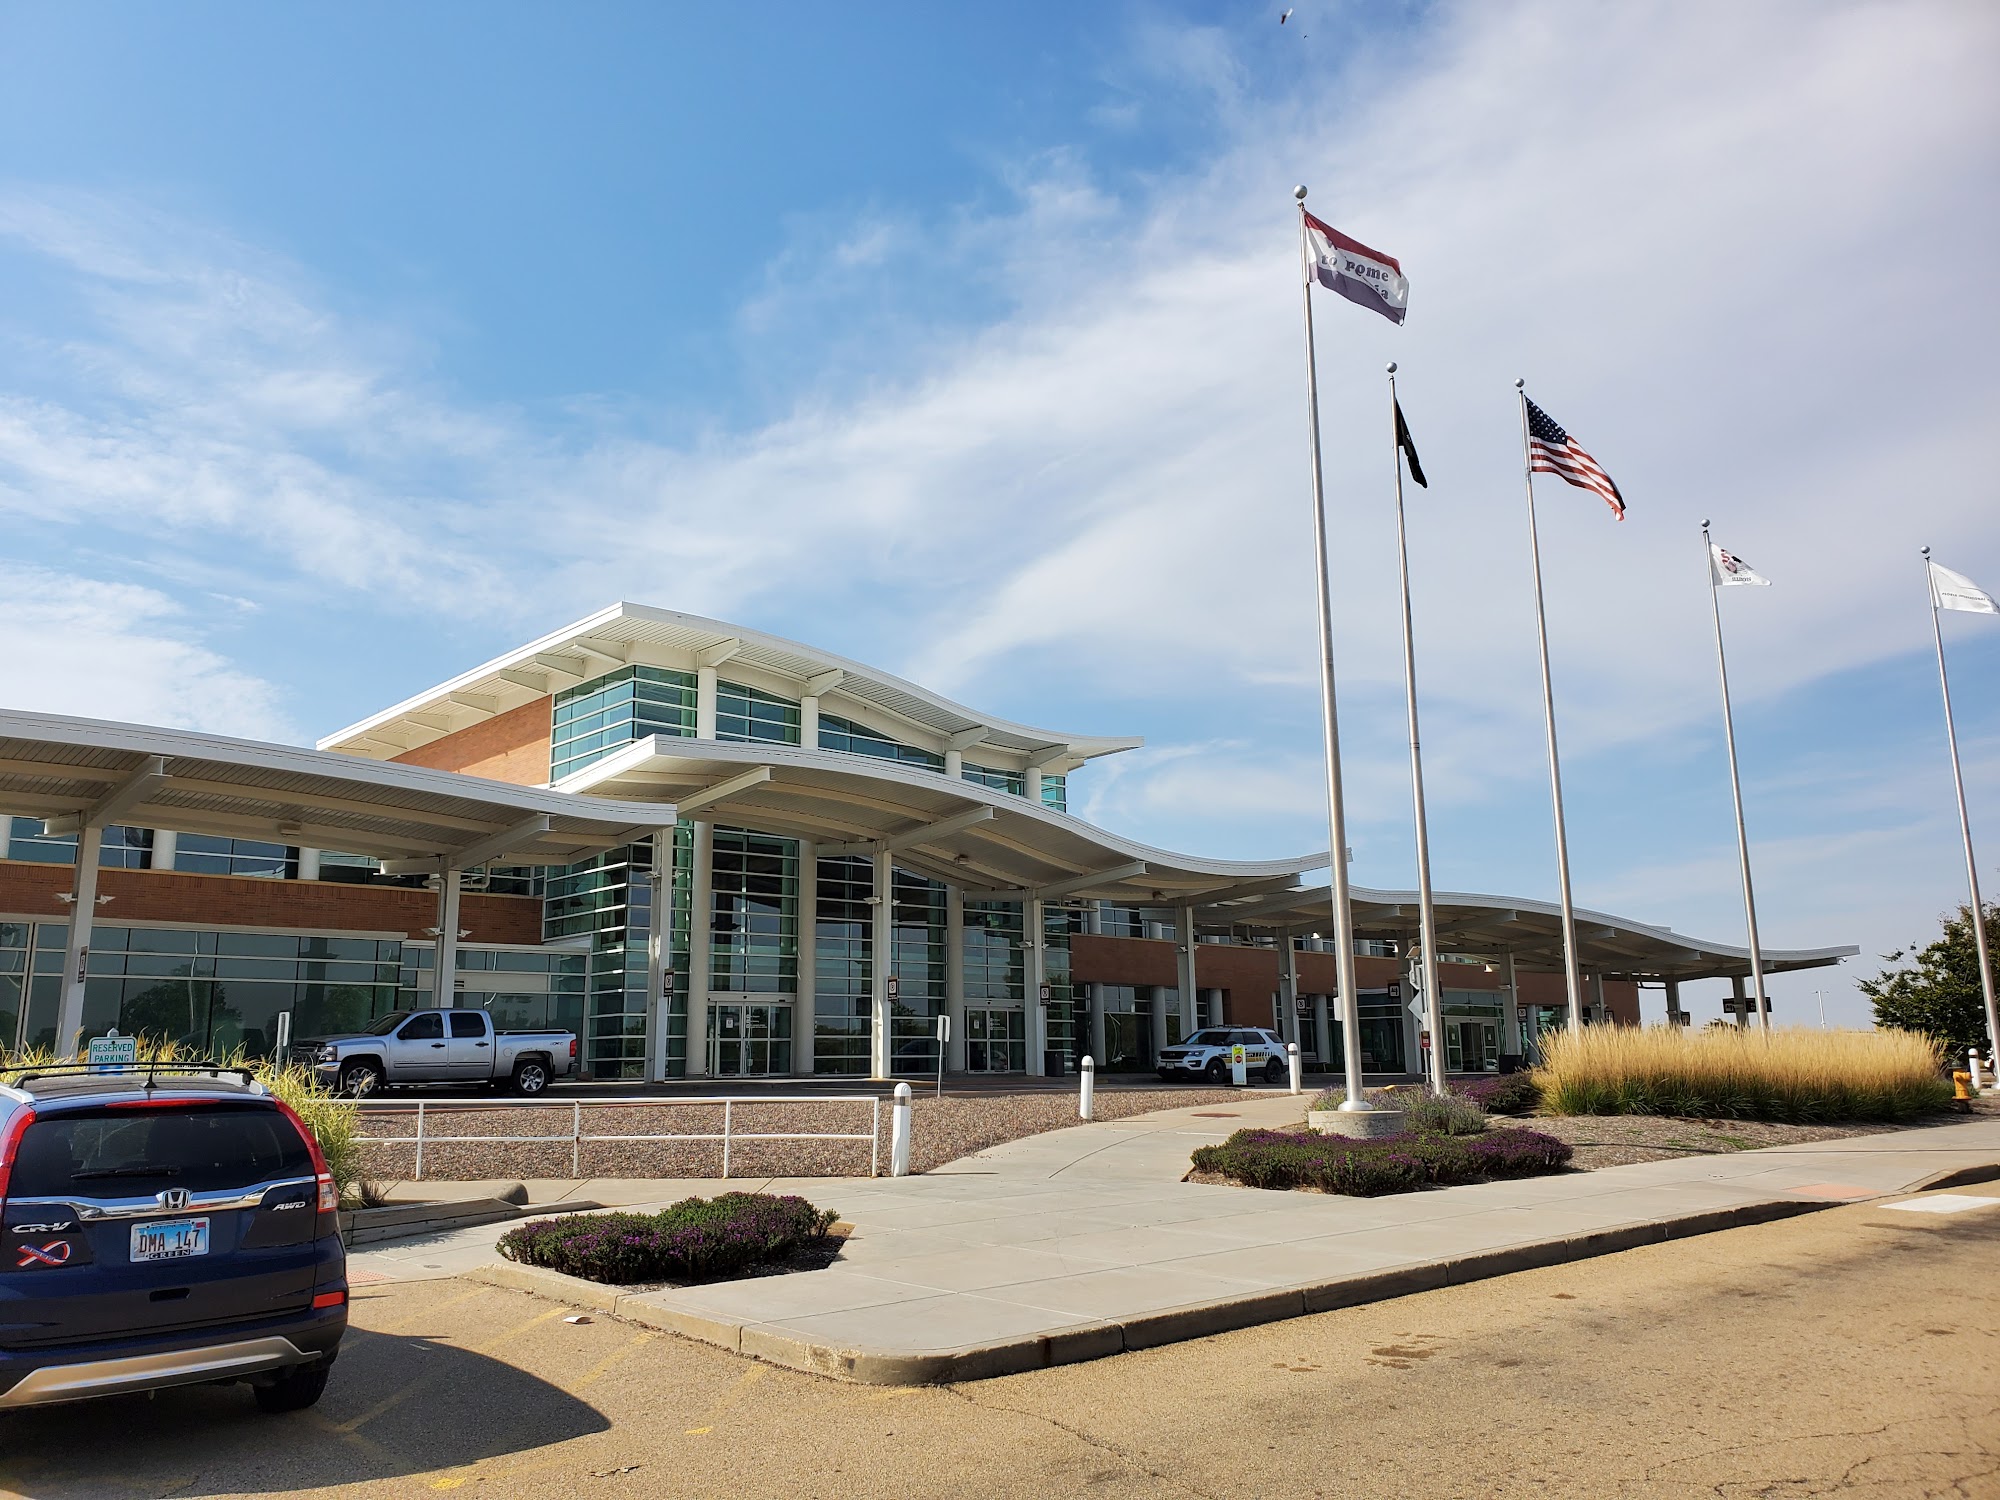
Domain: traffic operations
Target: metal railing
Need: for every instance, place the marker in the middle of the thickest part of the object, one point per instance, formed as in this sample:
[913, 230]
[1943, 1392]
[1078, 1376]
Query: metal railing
[578, 1135]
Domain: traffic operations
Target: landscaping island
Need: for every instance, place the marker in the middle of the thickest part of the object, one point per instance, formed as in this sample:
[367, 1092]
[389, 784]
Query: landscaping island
[695, 1240]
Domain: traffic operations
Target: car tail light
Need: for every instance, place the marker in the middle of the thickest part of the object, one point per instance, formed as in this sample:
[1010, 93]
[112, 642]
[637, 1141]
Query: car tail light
[572, 1049]
[329, 1299]
[10, 1144]
[329, 1195]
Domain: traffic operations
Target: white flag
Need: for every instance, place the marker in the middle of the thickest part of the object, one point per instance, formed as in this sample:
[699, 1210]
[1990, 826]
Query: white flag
[1726, 568]
[1951, 590]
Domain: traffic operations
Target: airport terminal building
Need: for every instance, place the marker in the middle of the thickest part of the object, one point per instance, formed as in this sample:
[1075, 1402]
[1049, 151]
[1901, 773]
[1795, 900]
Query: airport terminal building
[711, 851]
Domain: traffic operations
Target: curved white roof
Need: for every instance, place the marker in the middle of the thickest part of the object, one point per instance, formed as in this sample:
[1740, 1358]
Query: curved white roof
[640, 635]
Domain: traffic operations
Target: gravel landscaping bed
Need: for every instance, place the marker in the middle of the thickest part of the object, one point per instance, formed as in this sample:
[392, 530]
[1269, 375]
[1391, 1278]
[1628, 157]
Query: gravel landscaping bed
[941, 1130]
[1620, 1140]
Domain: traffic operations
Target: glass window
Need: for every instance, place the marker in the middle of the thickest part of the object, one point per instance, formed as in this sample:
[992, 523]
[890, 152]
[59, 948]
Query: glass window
[754, 924]
[747, 713]
[630, 704]
[425, 1026]
[205, 854]
[993, 964]
[1004, 781]
[857, 739]
[468, 1023]
[1055, 792]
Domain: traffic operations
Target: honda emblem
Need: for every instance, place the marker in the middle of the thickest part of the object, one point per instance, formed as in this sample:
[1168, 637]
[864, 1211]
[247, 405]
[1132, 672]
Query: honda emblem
[175, 1200]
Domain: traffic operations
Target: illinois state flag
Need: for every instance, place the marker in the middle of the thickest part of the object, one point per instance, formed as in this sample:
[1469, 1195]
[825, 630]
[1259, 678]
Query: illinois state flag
[1361, 275]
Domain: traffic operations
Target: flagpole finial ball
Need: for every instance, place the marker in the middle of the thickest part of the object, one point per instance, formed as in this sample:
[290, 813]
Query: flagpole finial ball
[1927, 552]
[1704, 523]
[1392, 367]
[1299, 192]
[1520, 385]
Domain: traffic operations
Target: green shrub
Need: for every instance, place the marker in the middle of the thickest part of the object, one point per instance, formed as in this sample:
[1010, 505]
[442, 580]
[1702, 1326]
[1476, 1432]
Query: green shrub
[1443, 1114]
[1506, 1094]
[697, 1237]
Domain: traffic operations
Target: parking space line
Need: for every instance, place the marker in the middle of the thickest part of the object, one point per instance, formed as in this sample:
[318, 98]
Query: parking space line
[404, 1392]
[429, 1310]
[728, 1399]
[591, 1375]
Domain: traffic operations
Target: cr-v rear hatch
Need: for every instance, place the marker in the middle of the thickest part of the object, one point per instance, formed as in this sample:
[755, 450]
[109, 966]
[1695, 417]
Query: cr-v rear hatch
[154, 1214]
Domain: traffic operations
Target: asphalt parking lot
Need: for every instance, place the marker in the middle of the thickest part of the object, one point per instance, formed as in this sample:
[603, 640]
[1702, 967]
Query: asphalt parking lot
[1852, 1351]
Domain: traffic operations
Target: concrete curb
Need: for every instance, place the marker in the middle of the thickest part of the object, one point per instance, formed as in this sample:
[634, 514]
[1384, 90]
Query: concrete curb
[1072, 1345]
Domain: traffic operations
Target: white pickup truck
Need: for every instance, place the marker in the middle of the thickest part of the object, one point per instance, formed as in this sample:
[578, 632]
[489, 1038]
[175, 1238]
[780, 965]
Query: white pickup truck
[441, 1046]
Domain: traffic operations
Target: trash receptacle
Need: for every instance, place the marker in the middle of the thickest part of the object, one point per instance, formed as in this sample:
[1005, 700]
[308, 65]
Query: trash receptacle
[1054, 1063]
[1510, 1062]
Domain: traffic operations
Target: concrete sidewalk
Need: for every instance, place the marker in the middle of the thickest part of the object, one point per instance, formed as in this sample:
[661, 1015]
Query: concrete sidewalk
[1084, 1242]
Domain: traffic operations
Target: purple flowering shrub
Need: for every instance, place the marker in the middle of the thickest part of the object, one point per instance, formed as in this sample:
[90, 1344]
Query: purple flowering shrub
[697, 1237]
[1370, 1168]
[1507, 1094]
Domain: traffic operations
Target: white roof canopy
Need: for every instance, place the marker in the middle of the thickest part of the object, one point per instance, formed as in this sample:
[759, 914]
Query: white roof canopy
[639, 635]
[72, 771]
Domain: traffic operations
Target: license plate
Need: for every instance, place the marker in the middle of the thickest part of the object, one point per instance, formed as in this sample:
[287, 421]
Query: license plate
[177, 1239]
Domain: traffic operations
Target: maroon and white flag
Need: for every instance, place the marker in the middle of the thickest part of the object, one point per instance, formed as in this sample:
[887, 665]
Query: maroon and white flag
[1363, 276]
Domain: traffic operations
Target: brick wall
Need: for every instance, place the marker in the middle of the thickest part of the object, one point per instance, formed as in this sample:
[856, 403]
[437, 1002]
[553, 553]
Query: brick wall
[31, 889]
[513, 746]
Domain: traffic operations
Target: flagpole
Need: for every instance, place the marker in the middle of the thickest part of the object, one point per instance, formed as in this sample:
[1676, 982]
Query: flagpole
[1964, 825]
[1572, 974]
[1426, 907]
[1736, 788]
[1343, 907]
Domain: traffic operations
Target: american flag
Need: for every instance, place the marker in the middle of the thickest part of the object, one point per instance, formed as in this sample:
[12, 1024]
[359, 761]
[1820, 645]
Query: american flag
[1553, 451]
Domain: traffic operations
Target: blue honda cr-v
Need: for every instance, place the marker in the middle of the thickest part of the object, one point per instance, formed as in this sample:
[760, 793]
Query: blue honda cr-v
[160, 1227]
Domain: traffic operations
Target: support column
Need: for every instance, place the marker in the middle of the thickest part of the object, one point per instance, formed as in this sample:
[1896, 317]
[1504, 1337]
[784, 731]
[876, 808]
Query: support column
[1099, 1036]
[1736, 994]
[1031, 784]
[76, 950]
[1597, 998]
[1322, 1038]
[701, 925]
[659, 952]
[1184, 941]
[954, 976]
[808, 730]
[444, 957]
[1212, 1007]
[6, 832]
[805, 993]
[954, 763]
[1158, 1020]
[704, 713]
[308, 858]
[1510, 1015]
[1674, 1012]
[1288, 989]
[881, 963]
[1034, 973]
[166, 847]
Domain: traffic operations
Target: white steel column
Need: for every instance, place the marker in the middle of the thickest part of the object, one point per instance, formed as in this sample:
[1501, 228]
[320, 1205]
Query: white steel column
[1510, 1017]
[1288, 988]
[1093, 924]
[701, 926]
[444, 957]
[76, 950]
[308, 860]
[1673, 987]
[659, 953]
[809, 722]
[1034, 974]
[881, 963]
[1322, 1037]
[954, 976]
[805, 997]
[1184, 941]
[1031, 784]
[1597, 998]
[1157, 1019]
[166, 846]
[704, 710]
[954, 763]
[6, 832]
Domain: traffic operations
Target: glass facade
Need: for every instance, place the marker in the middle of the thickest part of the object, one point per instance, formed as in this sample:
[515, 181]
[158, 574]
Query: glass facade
[1055, 792]
[607, 902]
[993, 962]
[843, 934]
[596, 717]
[857, 739]
[747, 713]
[917, 955]
[1002, 781]
[755, 924]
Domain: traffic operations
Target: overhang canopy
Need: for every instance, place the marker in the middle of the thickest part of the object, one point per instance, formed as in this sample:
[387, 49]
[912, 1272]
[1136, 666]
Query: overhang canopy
[68, 771]
[987, 841]
[1530, 930]
[638, 635]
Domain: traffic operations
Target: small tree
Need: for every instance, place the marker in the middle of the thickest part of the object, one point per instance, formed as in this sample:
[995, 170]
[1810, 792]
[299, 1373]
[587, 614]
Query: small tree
[1940, 994]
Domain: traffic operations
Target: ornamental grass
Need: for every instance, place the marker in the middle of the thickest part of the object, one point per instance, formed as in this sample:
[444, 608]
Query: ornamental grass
[694, 1239]
[1791, 1074]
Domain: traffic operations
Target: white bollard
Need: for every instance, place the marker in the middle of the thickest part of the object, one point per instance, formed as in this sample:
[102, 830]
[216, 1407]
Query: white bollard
[1972, 1067]
[899, 1133]
[1086, 1099]
[1294, 1065]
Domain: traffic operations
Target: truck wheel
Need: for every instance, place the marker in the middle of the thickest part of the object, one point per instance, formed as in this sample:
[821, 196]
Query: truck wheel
[360, 1079]
[530, 1077]
[294, 1390]
[1217, 1071]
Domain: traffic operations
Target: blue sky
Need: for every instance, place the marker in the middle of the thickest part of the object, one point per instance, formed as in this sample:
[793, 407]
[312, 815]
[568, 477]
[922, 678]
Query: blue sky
[344, 347]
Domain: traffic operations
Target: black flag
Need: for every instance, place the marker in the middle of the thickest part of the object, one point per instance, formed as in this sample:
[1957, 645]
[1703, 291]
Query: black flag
[1409, 448]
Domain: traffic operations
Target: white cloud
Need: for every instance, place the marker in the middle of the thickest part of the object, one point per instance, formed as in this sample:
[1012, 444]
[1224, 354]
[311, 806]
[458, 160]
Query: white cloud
[101, 650]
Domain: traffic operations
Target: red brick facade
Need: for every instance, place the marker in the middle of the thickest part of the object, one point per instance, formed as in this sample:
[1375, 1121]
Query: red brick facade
[512, 747]
[30, 889]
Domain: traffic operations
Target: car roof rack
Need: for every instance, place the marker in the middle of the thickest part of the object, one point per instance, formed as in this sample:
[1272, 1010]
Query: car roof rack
[23, 1076]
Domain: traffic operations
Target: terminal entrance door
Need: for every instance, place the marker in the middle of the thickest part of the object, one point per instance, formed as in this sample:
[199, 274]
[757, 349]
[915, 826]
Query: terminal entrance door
[996, 1041]
[1472, 1046]
[749, 1040]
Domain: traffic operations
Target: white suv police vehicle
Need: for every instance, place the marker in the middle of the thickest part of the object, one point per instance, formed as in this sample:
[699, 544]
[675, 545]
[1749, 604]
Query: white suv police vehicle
[1205, 1055]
